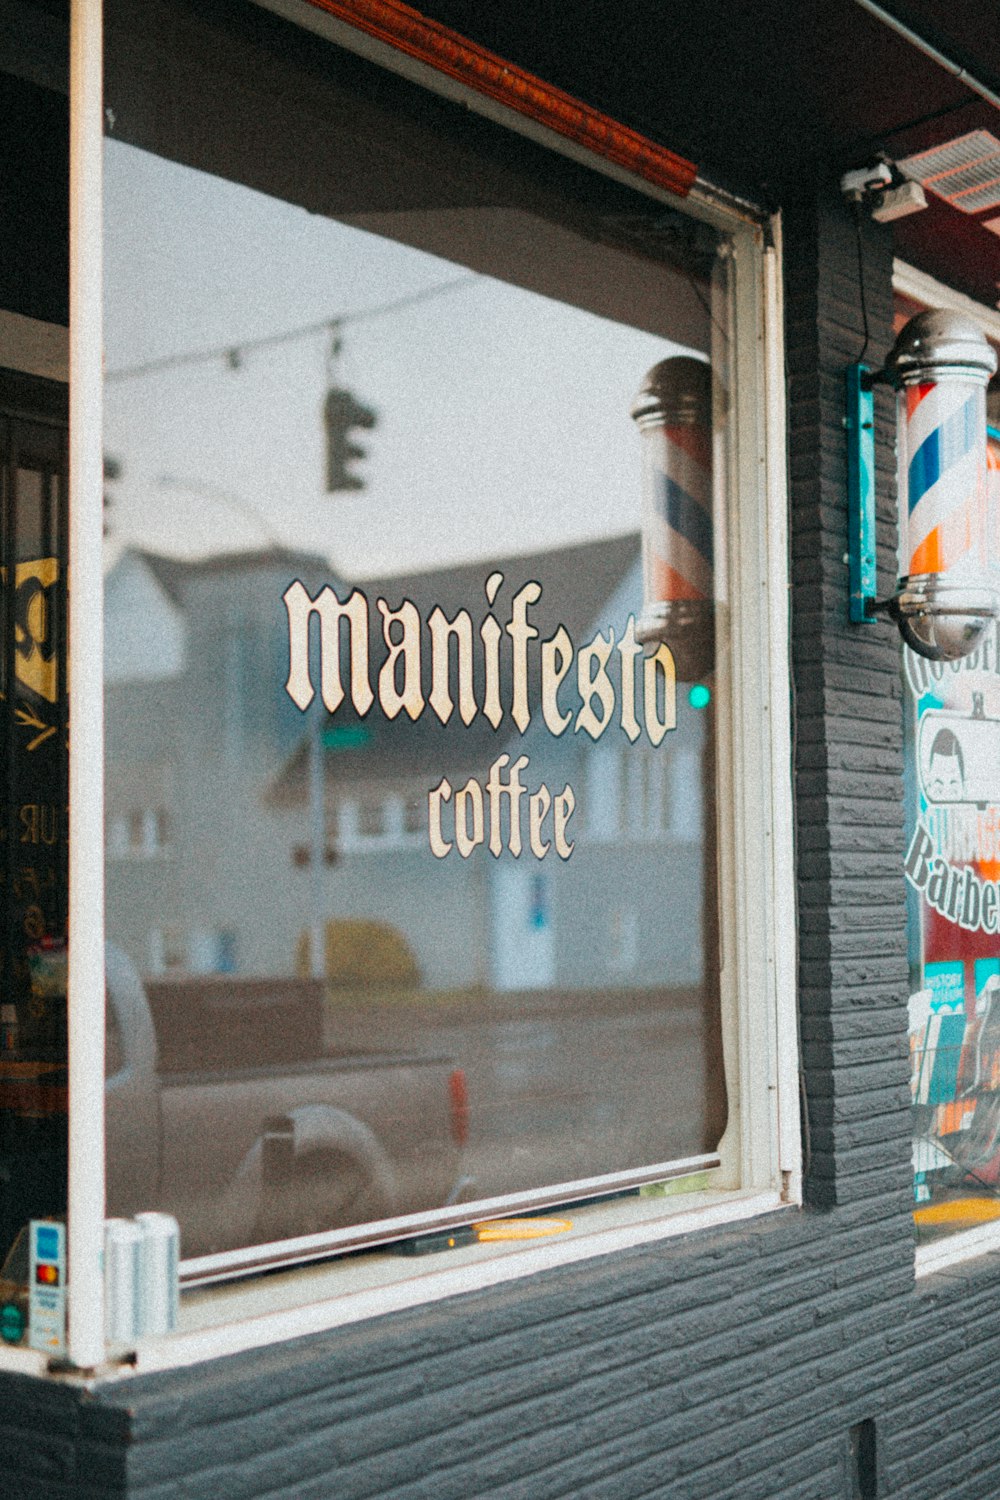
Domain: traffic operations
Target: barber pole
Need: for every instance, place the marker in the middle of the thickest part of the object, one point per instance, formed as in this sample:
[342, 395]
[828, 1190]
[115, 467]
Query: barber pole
[673, 411]
[940, 366]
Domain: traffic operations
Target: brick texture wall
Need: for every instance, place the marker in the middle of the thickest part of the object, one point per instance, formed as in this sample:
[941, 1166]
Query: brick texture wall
[725, 1366]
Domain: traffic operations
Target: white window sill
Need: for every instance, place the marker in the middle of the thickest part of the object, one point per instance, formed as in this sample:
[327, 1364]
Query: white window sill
[954, 1249]
[230, 1318]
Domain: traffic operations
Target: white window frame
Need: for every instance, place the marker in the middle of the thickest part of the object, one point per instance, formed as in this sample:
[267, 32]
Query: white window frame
[85, 1207]
[761, 1151]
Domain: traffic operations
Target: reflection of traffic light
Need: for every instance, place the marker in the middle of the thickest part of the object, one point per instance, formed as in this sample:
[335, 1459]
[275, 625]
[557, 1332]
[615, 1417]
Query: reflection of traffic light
[341, 414]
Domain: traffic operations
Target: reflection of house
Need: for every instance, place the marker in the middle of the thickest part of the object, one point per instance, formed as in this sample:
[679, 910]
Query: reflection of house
[208, 786]
[196, 721]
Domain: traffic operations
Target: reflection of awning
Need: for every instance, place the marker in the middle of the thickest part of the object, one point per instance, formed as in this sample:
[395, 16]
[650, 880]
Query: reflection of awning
[167, 62]
[553, 260]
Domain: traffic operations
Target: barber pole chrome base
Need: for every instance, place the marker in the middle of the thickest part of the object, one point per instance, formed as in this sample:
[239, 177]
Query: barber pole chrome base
[942, 619]
[687, 626]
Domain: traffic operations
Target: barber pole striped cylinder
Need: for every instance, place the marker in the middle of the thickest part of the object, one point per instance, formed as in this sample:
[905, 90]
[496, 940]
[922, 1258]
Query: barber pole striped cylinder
[942, 431]
[673, 411]
[940, 365]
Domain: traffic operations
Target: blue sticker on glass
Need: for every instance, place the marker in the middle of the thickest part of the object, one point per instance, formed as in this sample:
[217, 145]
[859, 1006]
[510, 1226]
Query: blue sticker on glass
[46, 1243]
[946, 983]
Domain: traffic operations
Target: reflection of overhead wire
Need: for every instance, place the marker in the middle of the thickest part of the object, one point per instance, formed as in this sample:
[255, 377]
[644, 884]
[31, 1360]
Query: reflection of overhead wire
[232, 353]
[707, 306]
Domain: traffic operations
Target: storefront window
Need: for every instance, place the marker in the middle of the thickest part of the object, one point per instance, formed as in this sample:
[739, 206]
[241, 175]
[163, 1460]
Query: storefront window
[952, 866]
[417, 695]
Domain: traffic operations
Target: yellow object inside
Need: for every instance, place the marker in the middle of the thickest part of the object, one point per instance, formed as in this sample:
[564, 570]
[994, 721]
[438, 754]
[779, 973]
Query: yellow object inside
[958, 1211]
[520, 1229]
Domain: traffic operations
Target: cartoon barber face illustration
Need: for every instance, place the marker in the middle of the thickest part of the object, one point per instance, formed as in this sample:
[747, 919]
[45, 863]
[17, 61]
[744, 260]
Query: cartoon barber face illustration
[946, 771]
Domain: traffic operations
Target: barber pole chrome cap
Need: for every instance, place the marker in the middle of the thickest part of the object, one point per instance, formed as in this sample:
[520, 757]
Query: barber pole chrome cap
[673, 411]
[940, 366]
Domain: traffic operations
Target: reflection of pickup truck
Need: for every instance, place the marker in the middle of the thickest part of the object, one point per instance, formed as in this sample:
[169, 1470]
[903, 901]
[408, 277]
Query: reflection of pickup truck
[247, 1149]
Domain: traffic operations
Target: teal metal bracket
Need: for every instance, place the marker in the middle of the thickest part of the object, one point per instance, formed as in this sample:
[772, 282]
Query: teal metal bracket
[860, 424]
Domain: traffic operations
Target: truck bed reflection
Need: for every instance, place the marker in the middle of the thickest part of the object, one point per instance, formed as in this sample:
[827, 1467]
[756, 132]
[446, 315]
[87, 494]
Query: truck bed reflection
[265, 1138]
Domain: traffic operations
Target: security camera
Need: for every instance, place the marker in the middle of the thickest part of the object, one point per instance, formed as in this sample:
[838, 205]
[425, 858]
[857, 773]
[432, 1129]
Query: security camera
[858, 184]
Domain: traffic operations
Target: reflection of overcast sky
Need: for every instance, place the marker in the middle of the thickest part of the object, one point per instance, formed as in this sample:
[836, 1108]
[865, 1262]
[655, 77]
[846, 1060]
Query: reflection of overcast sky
[503, 416]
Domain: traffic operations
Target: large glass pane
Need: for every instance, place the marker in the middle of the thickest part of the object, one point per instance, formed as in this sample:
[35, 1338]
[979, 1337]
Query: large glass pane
[952, 758]
[411, 843]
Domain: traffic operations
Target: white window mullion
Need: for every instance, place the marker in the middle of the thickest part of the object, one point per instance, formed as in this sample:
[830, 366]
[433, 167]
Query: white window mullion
[86, 763]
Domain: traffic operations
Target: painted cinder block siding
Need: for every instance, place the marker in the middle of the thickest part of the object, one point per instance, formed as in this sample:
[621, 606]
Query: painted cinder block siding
[725, 1364]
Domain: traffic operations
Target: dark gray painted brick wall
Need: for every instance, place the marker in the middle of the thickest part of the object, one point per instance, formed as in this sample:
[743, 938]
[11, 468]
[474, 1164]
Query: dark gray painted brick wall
[725, 1366]
[848, 772]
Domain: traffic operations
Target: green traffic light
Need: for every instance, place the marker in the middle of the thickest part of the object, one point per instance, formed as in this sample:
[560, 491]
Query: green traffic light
[699, 696]
[11, 1323]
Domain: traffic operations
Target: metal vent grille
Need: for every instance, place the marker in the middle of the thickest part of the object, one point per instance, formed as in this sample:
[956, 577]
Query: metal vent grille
[987, 196]
[964, 172]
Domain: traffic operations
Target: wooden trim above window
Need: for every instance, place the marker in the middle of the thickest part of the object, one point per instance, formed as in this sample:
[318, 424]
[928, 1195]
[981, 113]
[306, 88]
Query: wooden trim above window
[477, 68]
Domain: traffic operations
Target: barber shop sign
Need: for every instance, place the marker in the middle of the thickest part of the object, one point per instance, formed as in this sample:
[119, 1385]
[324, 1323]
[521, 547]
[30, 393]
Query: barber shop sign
[953, 859]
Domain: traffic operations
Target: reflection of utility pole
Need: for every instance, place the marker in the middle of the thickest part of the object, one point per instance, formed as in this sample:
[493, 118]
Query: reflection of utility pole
[225, 497]
[112, 471]
[317, 843]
